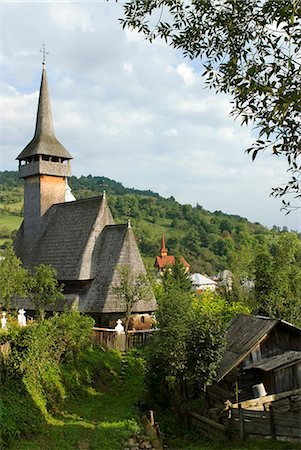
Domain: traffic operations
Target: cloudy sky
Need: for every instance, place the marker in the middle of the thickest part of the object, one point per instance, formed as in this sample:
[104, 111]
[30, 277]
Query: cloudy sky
[129, 110]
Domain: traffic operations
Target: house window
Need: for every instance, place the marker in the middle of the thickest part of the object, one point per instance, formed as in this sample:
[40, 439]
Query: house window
[142, 319]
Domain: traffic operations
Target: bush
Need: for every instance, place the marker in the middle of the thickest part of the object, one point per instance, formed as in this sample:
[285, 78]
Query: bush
[33, 373]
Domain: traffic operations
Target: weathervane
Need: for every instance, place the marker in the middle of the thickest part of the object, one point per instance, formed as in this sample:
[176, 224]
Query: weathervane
[44, 53]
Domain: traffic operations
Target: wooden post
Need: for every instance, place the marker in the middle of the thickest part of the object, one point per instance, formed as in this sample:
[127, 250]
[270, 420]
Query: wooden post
[241, 422]
[151, 418]
[272, 423]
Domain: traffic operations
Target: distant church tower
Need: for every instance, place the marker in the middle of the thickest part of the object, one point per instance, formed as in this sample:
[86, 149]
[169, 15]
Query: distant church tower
[45, 165]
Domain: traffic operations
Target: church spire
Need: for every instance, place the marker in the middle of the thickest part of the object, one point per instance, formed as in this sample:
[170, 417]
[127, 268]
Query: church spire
[44, 123]
[163, 251]
[44, 141]
[44, 164]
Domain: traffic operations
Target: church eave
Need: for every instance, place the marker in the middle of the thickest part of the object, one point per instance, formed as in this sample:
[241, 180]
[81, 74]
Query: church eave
[44, 145]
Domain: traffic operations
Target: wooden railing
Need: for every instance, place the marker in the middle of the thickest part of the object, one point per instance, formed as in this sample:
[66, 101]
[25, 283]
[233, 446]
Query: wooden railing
[108, 337]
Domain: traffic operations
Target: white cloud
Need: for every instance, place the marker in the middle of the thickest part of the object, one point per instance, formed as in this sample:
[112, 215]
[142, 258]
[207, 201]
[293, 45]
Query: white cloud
[128, 68]
[71, 16]
[130, 110]
[187, 73]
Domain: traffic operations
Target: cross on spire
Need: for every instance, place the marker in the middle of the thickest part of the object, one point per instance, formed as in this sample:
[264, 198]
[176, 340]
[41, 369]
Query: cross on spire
[44, 53]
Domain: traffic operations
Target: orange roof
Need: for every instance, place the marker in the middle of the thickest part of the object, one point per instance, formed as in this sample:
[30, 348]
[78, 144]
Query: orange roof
[162, 261]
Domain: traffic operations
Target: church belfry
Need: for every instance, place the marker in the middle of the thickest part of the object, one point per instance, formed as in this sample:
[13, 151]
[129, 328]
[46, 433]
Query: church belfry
[44, 164]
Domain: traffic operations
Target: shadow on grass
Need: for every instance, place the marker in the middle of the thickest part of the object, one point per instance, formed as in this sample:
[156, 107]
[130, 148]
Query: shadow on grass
[102, 417]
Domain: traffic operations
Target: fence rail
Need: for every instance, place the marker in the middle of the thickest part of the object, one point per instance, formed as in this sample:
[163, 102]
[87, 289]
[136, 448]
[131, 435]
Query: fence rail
[108, 337]
[268, 424]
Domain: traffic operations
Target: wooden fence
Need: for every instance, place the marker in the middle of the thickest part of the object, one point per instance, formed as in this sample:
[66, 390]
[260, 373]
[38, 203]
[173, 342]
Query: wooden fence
[253, 424]
[108, 337]
[265, 424]
[208, 427]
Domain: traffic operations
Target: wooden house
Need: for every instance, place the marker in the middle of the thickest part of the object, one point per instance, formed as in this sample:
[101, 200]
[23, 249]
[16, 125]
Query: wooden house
[262, 356]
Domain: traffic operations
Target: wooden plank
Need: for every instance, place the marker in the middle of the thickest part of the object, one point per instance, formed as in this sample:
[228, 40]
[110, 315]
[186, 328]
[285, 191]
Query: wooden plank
[207, 421]
[207, 430]
[272, 423]
[269, 398]
[241, 422]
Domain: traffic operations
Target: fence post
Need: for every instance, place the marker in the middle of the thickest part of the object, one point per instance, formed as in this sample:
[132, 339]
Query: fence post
[241, 422]
[272, 423]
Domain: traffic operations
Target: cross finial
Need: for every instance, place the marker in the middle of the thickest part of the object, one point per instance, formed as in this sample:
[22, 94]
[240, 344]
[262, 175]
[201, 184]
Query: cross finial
[44, 53]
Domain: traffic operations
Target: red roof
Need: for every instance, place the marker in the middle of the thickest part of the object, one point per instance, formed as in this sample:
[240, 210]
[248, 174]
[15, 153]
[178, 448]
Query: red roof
[162, 261]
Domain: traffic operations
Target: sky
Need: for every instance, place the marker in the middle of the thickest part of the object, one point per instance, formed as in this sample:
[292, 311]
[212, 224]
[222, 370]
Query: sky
[135, 112]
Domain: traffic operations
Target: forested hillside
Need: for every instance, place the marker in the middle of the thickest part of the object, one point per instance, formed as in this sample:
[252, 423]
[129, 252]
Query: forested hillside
[209, 241]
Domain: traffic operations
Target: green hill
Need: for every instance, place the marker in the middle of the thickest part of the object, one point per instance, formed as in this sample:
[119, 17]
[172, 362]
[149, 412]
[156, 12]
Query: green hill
[209, 241]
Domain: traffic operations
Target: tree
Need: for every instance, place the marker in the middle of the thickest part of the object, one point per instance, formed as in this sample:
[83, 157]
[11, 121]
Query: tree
[277, 291]
[176, 277]
[249, 49]
[43, 288]
[12, 277]
[130, 289]
[188, 345]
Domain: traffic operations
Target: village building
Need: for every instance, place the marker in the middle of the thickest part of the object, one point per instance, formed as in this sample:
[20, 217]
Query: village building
[262, 357]
[166, 261]
[77, 237]
[201, 283]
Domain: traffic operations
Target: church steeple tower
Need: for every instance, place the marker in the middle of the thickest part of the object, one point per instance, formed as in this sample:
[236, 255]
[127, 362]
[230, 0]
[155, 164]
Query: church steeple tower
[44, 164]
[163, 251]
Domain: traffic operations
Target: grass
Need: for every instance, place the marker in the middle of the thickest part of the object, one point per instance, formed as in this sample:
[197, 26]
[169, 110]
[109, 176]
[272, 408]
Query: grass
[10, 222]
[102, 417]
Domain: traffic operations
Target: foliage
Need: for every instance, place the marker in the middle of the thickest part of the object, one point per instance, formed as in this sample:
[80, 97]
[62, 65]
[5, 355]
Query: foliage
[215, 306]
[31, 373]
[131, 288]
[12, 277]
[43, 289]
[188, 345]
[277, 269]
[57, 390]
[175, 277]
[249, 49]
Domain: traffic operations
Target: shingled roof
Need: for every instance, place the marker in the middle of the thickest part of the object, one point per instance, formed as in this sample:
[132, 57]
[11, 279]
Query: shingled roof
[81, 242]
[44, 141]
[117, 247]
[70, 236]
[243, 335]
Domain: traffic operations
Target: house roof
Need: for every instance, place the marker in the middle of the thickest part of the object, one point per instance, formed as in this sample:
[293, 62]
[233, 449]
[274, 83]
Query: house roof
[44, 141]
[276, 361]
[199, 280]
[117, 247]
[71, 230]
[82, 243]
[243, 335]
[162, 261]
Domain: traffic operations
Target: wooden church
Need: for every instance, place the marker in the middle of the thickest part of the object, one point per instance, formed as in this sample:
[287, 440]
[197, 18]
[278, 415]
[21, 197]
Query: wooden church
[79, 237]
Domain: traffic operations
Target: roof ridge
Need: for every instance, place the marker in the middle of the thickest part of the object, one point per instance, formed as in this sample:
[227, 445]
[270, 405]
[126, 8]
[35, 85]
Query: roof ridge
[82, 200]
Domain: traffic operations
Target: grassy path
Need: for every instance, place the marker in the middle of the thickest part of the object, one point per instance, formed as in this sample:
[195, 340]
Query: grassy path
[104, 417]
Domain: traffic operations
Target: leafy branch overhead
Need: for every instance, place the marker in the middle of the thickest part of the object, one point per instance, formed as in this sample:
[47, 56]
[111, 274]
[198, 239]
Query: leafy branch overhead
[250, 49]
